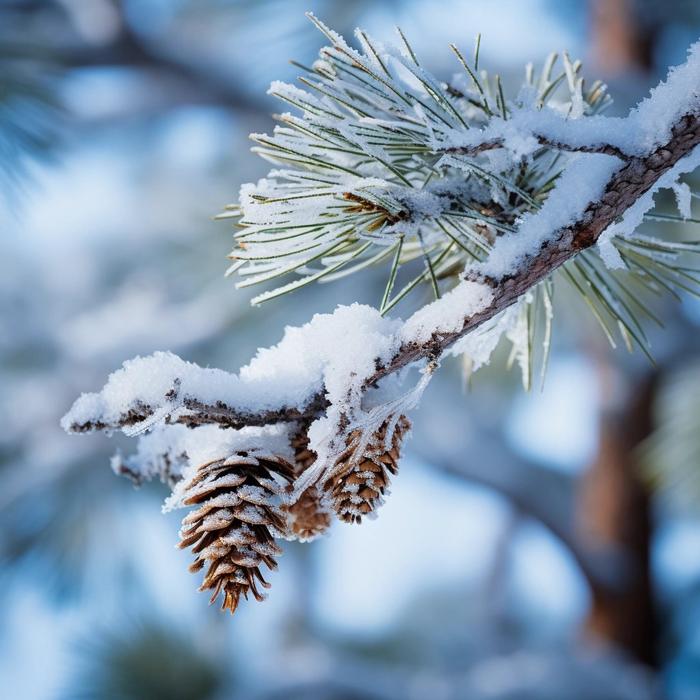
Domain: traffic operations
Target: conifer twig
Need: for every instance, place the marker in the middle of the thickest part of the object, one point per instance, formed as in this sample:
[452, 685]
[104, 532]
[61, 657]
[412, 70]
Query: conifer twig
[621, 192]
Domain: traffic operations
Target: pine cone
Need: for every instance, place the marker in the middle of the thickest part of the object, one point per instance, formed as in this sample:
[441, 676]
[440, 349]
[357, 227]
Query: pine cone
[235, 523]
[361, 476]
[308, 516]
[303, 456]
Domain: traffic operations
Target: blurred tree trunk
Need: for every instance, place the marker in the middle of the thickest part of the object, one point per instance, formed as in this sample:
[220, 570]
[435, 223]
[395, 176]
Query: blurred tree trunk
[622, 43]
[614, 504]
[614, 512]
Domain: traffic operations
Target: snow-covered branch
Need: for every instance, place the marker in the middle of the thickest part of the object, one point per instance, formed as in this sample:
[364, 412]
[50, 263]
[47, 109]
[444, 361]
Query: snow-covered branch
[523, 270]
[274, 388]
[490, 144]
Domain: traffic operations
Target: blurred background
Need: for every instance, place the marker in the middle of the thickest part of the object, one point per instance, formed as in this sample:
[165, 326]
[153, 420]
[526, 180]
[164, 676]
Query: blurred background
[539, 545]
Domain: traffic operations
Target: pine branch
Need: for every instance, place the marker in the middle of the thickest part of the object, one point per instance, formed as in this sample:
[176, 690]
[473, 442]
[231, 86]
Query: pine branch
[383, 169]
[521, 236]
[621, 192]
[607, 149]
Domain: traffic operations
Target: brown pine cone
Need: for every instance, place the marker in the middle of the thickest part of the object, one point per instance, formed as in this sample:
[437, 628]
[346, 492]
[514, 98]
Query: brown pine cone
[308, 517]
[234, 525]
[361, 476]
[303, 456]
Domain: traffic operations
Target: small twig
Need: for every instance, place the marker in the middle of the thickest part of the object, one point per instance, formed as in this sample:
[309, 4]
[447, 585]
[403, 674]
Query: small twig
[492, 144]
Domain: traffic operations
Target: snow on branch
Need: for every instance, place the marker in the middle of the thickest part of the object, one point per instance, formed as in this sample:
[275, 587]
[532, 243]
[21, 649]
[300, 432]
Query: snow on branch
[293, 379]
[336, 357]
[168, 451]
[520, 269]
[647, 126]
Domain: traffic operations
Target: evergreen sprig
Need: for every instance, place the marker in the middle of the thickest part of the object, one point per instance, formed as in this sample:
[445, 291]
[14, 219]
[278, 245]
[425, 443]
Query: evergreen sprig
[372, 172]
